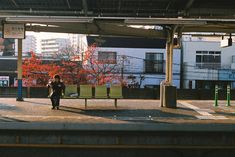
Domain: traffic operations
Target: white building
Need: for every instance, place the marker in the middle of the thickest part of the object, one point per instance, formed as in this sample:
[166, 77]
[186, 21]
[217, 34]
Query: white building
[78, 42]
[29, 44]
[143, 57]
[52, 46]
[206, 64]
[74, 41]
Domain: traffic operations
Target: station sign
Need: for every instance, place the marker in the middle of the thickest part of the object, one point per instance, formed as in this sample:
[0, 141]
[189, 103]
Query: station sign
[227, 75]
[13, 31]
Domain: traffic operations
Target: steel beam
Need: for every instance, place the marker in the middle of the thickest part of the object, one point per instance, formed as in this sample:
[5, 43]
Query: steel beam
[85, 8]
[118, 146]
[14, 2]
[188, 5]
[67, 1]
[100, 29]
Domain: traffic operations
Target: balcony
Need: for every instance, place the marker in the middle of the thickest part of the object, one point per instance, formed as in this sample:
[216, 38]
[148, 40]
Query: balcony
[208, 66]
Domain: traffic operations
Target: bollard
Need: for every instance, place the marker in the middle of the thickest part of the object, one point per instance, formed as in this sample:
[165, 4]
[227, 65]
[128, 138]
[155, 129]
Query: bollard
[228, 96]
[216, 96]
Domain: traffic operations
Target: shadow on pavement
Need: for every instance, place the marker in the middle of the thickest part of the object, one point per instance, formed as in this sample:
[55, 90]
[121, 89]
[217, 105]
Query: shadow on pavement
[8, 119]
[225, 113]
[134, 115]
[37, 103]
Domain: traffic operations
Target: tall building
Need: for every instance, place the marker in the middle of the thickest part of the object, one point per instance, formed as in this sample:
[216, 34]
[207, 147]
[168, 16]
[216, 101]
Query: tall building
[29, 44]
[53, 46]
[74, 41]
[77, 42]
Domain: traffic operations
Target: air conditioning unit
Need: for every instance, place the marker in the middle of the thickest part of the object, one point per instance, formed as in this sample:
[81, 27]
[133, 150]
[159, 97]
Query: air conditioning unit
[226, 42]
[233, 66]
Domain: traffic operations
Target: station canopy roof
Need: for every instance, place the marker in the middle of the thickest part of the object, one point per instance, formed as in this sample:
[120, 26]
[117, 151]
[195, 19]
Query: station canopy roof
[113, 17]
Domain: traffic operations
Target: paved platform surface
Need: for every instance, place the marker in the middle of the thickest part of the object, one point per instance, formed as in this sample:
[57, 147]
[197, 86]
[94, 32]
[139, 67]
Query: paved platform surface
[130, 114]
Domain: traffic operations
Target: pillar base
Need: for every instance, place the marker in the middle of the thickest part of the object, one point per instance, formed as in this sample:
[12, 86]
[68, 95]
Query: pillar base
[168, 96]
[19, 99]
[19, 93]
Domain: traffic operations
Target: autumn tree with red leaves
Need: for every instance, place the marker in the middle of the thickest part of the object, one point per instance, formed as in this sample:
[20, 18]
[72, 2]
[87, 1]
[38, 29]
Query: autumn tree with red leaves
[70, 71]
[91, 70]
[35, 73]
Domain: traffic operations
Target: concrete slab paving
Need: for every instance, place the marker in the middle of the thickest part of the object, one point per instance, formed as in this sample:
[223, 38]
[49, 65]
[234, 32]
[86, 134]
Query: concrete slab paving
[101, 114]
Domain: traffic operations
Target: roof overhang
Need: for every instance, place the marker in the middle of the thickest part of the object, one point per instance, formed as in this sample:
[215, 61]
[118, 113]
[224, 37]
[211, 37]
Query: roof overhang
[113, 17]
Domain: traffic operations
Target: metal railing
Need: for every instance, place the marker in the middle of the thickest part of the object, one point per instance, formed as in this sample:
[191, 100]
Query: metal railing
[208, 65]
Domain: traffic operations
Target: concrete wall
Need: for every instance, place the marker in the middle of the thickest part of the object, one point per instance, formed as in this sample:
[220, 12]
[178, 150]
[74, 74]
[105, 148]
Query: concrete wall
[128, 93]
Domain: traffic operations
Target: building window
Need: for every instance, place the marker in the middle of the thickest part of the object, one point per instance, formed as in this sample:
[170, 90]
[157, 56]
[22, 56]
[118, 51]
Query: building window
[233, 59]
[154, 63]
[208, 59]
[107, 57]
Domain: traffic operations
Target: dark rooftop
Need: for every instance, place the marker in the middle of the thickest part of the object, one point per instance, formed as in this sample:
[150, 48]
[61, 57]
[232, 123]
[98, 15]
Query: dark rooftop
[125, 42]
[130, 8]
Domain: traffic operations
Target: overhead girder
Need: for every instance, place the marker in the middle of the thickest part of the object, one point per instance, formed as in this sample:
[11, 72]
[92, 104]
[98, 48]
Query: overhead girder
[213, 28]
[211, 12]
[99, 28]
[119, 26]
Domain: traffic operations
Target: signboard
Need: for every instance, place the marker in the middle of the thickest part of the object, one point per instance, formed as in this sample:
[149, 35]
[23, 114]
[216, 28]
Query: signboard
[226, 42]
[227, 75]
[13, 31]
[4, 81]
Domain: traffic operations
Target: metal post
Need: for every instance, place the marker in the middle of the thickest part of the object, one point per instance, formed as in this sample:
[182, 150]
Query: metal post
[167, 62]
[161, 93]
[122, 69]
[216, 96]
[168, 92]
[169, 53]
[167, 79]
[19, 69]
[228, 95]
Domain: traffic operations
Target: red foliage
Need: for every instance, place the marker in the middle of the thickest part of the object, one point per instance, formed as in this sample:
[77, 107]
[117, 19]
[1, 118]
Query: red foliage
[35, 73]
[91, 70]
[70, 72]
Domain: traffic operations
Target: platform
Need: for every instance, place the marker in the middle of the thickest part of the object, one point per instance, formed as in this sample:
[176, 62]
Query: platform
[130, 115]
[136, 128]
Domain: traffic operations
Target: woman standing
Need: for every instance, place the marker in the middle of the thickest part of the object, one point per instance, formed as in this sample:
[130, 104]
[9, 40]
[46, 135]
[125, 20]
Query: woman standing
[57, 89]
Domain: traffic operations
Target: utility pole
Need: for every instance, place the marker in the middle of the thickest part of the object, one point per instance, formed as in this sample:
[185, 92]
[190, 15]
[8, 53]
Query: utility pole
[122, 68]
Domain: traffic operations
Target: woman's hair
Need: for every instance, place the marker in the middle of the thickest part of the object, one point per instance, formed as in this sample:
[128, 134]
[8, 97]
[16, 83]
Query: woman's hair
[57, 76]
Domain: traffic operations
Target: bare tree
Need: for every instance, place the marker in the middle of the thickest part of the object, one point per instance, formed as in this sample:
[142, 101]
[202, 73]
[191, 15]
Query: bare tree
[101, 69]
[67, 53]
